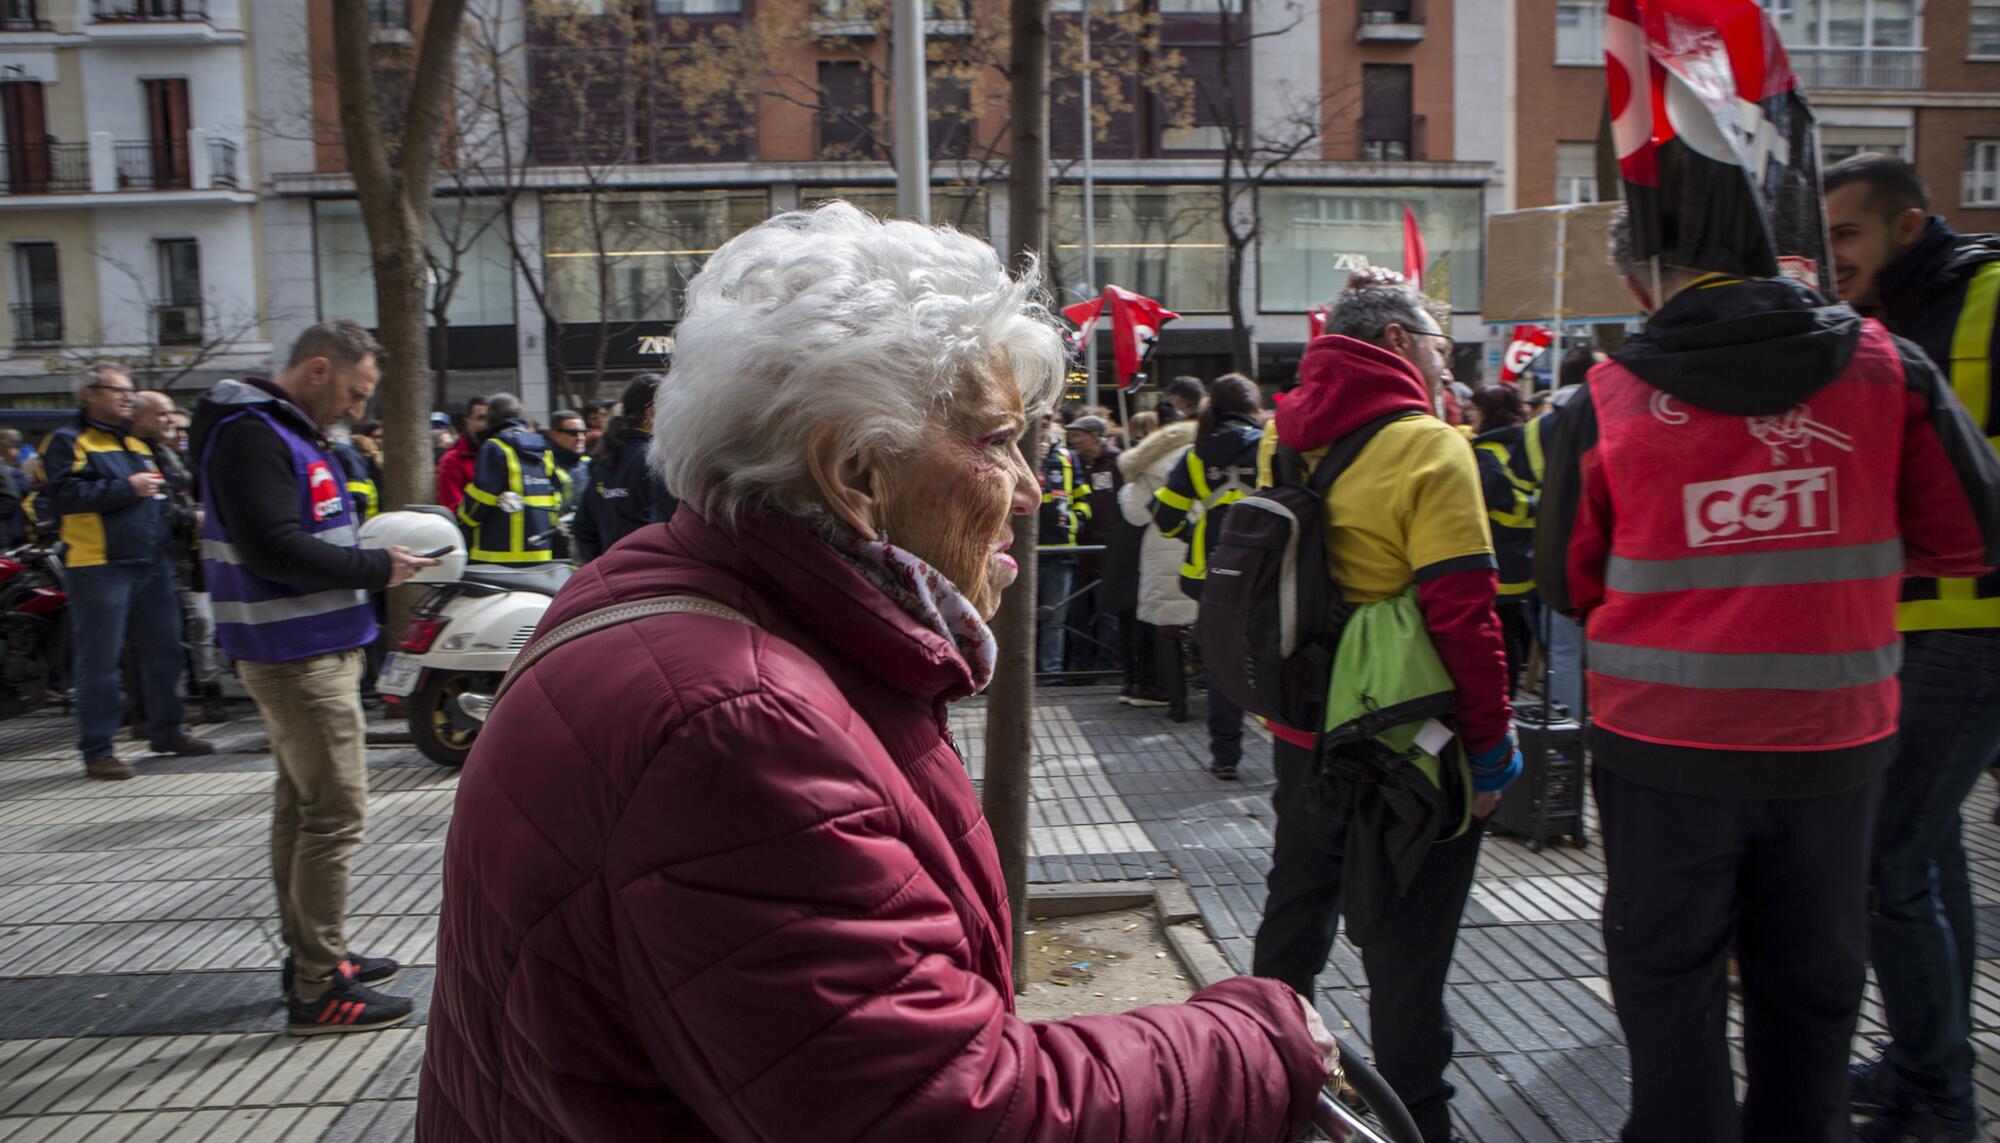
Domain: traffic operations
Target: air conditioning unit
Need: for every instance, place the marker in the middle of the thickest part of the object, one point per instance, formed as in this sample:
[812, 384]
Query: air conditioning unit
[180, 324]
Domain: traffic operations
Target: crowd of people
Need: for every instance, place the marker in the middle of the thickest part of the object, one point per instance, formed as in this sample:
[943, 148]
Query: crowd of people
[742, 887]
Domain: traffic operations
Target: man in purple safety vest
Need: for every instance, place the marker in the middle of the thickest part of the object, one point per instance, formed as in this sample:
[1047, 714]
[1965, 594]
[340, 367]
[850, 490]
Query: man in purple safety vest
[289, 582]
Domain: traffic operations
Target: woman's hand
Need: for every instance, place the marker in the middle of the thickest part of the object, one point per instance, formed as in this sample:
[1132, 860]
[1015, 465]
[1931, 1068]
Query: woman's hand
[1329, 1048]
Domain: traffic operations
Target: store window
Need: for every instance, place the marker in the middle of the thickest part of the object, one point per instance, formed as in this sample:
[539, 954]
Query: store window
[1982, 172]
[484, 294]
[1576, 173]
[1165, 242]
[960, 207]
[628, 257]
[1314, 237]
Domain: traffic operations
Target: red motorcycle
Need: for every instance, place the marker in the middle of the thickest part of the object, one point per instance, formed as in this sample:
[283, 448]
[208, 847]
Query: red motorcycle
[34, 629]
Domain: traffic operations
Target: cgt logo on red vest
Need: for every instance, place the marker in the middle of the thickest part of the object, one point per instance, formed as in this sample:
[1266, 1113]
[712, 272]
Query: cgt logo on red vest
[1767, 506]
[324, 491]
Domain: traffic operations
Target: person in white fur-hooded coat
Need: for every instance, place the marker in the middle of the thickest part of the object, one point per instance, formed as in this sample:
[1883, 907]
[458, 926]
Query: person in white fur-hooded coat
[1146, 467]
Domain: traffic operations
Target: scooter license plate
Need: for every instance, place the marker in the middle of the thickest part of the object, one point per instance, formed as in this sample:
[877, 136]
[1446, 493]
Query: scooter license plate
[399, 675]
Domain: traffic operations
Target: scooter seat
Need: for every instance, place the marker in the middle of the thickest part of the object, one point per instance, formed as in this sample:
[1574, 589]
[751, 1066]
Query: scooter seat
[545, 579]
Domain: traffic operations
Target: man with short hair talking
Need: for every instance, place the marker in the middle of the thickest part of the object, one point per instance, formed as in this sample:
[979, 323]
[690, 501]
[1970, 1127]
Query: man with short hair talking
[289, 583]
[1896, 261]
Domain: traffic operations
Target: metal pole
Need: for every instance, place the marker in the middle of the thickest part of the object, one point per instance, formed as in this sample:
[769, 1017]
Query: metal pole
[913, 139]
[1089, 219]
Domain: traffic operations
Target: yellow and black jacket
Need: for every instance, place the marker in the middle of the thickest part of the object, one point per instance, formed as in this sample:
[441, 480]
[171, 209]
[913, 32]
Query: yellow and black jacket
[512, 459]
[1510, 505]
[1065, 502]
[1217, 472]
[362, 488]
[1944, 294]
[104, 521]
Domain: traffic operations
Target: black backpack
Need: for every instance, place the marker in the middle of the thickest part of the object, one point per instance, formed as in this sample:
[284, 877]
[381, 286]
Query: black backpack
[1270, 618]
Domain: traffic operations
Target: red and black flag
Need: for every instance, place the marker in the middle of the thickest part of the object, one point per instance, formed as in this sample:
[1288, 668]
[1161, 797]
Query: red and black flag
[1717, 144]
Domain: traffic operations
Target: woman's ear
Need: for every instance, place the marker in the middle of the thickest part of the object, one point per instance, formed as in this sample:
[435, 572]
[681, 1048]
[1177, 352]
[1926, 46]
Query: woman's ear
[846, 480]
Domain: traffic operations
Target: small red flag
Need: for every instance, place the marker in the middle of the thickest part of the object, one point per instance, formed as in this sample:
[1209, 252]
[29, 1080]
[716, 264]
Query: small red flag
[1415, 257]
[1135, 326]
[1523, 348]
[1316, 321]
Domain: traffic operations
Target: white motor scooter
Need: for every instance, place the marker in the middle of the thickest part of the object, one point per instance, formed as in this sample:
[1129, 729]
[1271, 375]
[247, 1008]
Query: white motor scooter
[462, 636]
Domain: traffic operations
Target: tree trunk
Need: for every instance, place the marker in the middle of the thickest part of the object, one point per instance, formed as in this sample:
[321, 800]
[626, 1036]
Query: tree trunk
[1010, 702]
[1242, 360]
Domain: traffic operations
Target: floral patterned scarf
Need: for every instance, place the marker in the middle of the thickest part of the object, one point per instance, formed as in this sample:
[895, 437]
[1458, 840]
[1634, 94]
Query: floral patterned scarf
[928, 597]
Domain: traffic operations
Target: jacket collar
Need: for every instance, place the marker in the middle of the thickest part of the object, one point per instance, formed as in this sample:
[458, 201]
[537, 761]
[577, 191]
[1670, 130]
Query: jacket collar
[783, 576]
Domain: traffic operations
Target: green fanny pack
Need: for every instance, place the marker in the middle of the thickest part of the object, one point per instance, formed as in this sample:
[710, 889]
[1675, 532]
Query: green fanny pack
[1387, 703]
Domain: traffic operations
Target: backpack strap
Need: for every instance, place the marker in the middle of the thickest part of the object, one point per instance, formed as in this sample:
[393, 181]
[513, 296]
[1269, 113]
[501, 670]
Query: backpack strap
[1348, 447]
[591, 622]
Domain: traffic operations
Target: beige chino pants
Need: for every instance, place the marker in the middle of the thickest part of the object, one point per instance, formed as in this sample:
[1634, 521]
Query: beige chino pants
[312, 708]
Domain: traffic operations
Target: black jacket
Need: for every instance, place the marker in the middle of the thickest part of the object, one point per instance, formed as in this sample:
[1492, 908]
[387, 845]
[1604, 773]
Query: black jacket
[1923, 296]
[620, 497]
[1510, 508]
[249, 480]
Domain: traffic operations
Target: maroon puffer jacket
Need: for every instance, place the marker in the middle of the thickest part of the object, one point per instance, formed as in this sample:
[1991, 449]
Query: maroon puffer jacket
[706, 881]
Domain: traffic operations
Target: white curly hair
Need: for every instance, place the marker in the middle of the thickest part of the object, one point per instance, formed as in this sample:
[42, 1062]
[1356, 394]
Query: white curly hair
[831, 316]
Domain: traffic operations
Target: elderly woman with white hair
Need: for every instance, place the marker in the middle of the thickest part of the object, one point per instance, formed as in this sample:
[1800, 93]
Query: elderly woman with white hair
[717, 872]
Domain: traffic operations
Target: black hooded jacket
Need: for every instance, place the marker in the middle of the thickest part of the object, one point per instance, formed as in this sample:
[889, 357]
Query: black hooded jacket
[1923, 293]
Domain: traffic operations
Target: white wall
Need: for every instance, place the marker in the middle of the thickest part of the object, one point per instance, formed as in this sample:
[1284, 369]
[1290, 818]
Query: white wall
[283, 143]
[125, 240]
[115, 99]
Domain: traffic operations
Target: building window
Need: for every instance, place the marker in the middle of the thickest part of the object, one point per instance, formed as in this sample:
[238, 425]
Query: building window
[1314, 237]
[1852, 43]
[1201, 7]
[481, 274]
[38, 315]
[1209, 112]
[1982, 172]
[177, 313]
[1837, 143]
[961, 206]
[697, 7]
[1985, 39]
[1580, 32]
[1165, 242]
[628, 257]
[1576, 173]
[1388, 130]
[848, 127]
[954, 122]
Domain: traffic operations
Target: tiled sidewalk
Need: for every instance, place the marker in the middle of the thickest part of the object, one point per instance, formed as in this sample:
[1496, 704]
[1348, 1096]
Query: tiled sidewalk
[138, 931]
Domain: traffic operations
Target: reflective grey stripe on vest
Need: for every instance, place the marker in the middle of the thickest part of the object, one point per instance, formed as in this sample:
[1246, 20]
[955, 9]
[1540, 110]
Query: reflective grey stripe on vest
[224, 552]
[290, 607]
[1708, 670]
[1756, 569]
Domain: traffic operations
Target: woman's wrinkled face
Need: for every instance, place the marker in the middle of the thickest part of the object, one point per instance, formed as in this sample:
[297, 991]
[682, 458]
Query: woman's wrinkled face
[951, 502]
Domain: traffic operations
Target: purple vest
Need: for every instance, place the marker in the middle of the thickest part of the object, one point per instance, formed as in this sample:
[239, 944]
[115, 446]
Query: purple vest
[262, 620]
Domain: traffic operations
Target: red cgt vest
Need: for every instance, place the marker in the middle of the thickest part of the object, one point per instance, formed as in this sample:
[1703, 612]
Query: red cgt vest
[1750, 598]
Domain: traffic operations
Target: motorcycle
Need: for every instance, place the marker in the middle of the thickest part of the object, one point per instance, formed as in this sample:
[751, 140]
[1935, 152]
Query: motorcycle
[462, 636]
[34, 628]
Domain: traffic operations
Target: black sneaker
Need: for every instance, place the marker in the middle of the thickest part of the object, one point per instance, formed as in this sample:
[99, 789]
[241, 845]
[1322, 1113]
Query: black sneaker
[1226, 771]
[346, 1007]
[1918, 1125]
[1871, 1085]
[372, 971]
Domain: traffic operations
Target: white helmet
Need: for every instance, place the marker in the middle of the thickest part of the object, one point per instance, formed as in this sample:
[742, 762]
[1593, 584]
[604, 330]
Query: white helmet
[423, 529]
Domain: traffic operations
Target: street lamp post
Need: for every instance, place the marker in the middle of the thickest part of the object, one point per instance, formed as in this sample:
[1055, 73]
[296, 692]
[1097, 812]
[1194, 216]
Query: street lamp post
[913, 143]
[1090, 286]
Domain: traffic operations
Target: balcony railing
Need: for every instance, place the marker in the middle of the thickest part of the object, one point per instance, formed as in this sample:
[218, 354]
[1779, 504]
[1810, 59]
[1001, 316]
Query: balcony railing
[222, 171]
[1897, 69]
[45, 168]
[23, 16]
[37, 325]
[177, 323]
[155, 164]
[149, 11]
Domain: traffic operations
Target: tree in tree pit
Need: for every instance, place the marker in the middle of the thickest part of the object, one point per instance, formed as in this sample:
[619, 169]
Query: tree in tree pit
[393, 181]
